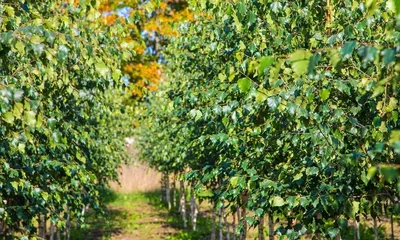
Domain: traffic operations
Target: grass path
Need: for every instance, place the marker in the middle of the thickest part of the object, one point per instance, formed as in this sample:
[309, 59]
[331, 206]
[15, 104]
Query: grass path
[131, 216]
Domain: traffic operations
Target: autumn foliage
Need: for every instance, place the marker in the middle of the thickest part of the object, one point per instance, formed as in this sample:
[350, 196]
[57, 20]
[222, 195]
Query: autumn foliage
[150, 24]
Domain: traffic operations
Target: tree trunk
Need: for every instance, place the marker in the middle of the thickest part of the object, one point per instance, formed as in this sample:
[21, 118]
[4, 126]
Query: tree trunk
[42, 226]
[174, 192]
[213, 227]
[220, 226]
[261, 228]
[234, 226]
[228, 227]
[375, 229]
[2, 227]
[183, 203]
[356, 230]
[51, 230]
[243, 234]
[193, 209]
[392, 224]
[58, 234]
[67, 227]
[318, 217]
[271, 226]
[167, 191]
[163, 188]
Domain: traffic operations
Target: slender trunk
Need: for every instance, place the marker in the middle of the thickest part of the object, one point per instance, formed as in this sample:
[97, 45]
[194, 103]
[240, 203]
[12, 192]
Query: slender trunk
[239, 218]
[243, 234]
[2, 227]
[261, 228]
[375, 229]
[392, 225]
[228, 227]
[51, 230]
[196, 212]
[180, 197]
[162, 189]
[220, 226]
[167, 191]
[319, 217]
[234, 226]
[271, 226]
[58, 234]
[356, 230]
[213, 228]
[42, 226]
[67, 227]
[193, 209]
[174, 192]
[183, 203]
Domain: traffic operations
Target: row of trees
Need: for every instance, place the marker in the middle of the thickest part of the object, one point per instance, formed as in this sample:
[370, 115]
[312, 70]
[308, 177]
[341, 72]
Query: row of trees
[61, 120]
[286, 109]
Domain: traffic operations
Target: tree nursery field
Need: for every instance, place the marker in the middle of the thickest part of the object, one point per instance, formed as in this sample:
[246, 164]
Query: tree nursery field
[268, 119]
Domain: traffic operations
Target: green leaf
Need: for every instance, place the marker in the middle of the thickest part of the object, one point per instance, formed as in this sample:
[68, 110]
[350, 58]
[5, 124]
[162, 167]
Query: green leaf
[20, 47]
[371, 6]
[30, 118]
[265, 62]
[18, 110]
[273, 102]
[9, 10]
[9, 117]
[51, 123]
[244, 84]
[316, 57]
[298, 176]
[102, 68]
[312, 171]
[14, 185]
[355, 208]
[234, 181]
[334, 57]
[347, 49]
[390, 173]
[259, 212]
[324, 94]
[333, 232]
[396, 4]
[277, 201]
[389, 56]
[261, 95]
[300, 60]
[205, 193]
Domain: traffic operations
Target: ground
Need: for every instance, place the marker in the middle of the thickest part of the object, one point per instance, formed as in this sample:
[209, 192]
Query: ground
[140, 216]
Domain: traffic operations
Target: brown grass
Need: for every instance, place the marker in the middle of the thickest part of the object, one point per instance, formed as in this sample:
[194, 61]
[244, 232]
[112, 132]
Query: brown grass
[137, 176]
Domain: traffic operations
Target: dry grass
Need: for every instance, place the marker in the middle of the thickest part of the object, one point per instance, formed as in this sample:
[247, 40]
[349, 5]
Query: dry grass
[137, 176]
